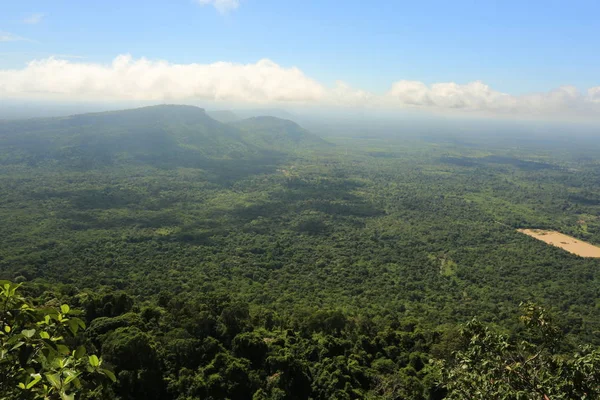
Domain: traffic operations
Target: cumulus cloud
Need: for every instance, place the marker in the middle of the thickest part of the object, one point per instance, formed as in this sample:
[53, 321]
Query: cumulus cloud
[594, 94]
[142, 79]
[477, 96]
[266, 82]
[344, 94]
[223, 6]
[34, 19]
[474, 95]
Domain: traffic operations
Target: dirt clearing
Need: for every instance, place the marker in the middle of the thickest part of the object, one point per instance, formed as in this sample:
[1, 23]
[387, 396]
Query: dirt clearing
[568, 243]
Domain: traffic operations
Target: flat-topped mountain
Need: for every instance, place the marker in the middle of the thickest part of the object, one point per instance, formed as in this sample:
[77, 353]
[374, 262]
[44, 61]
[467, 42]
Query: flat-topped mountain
[165, 135]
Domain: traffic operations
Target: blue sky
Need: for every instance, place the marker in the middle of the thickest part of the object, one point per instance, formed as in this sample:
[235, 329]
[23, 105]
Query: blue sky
[514, 47]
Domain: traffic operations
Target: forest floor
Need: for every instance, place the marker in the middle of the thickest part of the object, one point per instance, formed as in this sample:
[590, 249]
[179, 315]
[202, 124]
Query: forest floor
[565, 242]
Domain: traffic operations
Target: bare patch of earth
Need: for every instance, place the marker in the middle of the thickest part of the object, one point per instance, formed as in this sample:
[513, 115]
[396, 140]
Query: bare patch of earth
[565, 242]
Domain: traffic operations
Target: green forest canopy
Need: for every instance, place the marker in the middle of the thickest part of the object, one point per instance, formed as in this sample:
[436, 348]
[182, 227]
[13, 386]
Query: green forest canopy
[254, 259]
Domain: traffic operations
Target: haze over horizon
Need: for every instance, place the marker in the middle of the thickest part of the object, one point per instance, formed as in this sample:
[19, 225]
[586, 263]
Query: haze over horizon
[510, 61]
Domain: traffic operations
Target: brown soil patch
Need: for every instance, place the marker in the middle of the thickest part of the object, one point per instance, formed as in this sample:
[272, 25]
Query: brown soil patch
[568, 243]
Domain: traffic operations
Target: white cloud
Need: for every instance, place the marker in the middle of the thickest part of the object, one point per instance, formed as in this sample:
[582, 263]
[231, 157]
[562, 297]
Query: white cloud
[344, 94]
[34, 19]
[266, 82]
[479, 97]
[223, 6]
[594, 94]
[9, 37]
[142, 79]
[472, 96]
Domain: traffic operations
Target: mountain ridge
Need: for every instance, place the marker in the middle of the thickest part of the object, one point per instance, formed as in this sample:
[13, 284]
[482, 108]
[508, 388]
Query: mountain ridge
[175, 134]
[161, 135]
[278, 133]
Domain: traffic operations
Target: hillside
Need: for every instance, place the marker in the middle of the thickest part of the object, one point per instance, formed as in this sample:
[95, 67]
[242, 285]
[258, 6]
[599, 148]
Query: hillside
[165, 135]
[278, 134]
[224, 116]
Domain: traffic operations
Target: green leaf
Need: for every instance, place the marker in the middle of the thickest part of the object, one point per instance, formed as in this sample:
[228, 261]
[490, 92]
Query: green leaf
[7, 329]
[36, 379]
[65, 308]
[79, 322]
[54, 380]
[73, 326]
[44, 335]
[62, 349]
[28, 333]
[80, 352]
[109, 374]
[77, 383]
[94, 362]
[17, 345]
[71, 376]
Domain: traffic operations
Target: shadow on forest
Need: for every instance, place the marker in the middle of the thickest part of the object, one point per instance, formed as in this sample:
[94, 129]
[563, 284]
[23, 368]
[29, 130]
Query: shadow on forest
[502, 160]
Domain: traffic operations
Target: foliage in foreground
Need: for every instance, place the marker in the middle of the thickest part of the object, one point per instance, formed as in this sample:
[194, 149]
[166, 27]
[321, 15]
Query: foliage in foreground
[38, 357]
[216, 348]
[495, 367]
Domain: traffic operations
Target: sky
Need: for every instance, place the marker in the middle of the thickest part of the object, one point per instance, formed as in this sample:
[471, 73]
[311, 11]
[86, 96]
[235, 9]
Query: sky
[513, 59]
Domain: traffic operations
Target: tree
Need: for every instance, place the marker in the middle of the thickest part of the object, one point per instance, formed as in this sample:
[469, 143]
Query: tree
[134, 357]
[495, 367]
[36, 361]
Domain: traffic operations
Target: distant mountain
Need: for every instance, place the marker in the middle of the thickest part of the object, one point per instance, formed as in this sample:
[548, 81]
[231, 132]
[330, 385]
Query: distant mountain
[264, 112]
[278, 134]
[225, 116]
[161, 135]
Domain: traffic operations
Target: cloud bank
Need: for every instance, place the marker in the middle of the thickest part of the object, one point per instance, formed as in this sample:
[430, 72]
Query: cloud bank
[142, 79]
[222, 6]
[266, 82]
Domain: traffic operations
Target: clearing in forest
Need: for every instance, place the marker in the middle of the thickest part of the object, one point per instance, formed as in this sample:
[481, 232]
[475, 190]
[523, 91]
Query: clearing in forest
[568, 243]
